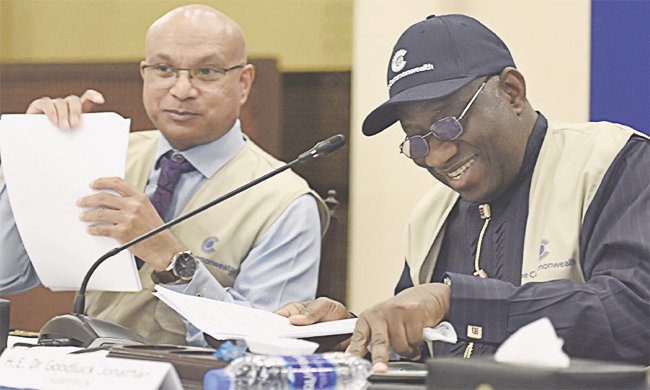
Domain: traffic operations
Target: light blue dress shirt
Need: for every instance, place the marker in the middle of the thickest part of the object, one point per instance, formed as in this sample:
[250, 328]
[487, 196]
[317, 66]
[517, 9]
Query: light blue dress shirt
[281, 268]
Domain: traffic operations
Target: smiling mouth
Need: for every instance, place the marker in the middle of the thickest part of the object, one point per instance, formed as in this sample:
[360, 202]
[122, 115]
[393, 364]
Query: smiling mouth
[455, 175]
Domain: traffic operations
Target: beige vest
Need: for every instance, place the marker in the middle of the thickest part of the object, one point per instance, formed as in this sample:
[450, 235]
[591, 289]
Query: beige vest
[571, 165]
[222, 235]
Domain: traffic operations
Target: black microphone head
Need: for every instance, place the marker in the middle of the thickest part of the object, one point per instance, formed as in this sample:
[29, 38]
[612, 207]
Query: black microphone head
[324, 148]
[333, 143]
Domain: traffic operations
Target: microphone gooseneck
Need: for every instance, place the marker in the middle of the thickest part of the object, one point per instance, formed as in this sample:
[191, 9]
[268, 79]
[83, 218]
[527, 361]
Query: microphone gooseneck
[321, 149]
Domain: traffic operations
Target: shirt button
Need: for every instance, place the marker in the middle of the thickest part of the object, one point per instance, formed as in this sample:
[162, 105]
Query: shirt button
[178, 158]
[198, 294]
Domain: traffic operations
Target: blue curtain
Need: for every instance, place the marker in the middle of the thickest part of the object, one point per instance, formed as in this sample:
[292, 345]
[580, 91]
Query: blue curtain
[620, 62]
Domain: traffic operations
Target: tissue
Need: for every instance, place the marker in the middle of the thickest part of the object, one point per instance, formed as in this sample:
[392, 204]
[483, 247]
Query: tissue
[535, 344]
[443, 332]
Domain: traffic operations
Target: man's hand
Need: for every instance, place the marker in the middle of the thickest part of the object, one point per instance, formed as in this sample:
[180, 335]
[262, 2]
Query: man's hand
[66, 112]
[399, 322]
[310, 312]
[126, 217]
[321, 310]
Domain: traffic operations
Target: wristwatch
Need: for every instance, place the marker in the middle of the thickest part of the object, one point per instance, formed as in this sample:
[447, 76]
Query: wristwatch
[182, 269]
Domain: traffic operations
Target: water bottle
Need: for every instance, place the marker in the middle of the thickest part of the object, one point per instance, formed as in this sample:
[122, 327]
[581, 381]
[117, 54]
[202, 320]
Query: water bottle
[328, 371]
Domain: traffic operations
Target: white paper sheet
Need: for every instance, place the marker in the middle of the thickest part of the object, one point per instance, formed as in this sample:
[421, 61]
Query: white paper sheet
[223, 320]
[46, 170]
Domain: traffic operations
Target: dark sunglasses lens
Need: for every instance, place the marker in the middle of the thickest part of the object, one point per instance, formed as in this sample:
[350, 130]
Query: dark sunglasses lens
[447, 129]
[416, 147]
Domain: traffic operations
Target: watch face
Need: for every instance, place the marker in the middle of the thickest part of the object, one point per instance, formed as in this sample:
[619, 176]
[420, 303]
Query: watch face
[185, 266]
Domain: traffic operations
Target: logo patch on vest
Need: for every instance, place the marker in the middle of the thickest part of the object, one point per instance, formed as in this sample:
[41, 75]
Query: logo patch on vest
[542, 250]
[208, 244]
[213, 263]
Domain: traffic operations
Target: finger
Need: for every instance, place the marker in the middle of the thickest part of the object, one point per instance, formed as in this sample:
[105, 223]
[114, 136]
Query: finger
[403, 338]
[311, 313]
[291, 309]
[342, 346]
[415, 338]
[398, 340]
[101, 199]
[44, 106]
[101, 214]
[321, 310]
[103, 229]
[62, 112]
[379, 346]
[359, 338]
[90, 99]
[73, 104]
[301, 319]
[116, 184]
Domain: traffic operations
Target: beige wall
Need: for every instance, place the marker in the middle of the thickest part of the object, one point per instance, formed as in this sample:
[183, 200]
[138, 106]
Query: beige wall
[304, 35]
[549, 40]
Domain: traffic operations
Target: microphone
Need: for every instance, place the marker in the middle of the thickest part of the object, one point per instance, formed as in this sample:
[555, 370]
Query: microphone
[77, 329]
[323, 148]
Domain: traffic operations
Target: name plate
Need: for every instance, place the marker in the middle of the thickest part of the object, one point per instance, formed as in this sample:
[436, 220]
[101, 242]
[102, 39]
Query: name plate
[30, 369]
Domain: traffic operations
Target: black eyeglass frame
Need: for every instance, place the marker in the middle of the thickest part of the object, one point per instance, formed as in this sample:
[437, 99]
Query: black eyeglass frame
[190, 71]
[439, 135]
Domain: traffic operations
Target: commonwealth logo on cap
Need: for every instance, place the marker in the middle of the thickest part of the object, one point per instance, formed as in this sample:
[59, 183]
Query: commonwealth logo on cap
[398, 63]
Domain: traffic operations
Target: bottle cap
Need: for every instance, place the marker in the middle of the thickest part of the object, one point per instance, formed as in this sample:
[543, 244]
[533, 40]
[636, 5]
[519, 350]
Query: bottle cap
[217, 379]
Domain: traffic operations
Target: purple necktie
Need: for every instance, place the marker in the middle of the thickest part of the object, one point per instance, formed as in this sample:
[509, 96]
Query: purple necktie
[171, 169]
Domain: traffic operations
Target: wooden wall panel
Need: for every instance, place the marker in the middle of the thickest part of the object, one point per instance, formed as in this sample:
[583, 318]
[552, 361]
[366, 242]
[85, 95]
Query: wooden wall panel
[316, 105]
[121, 85]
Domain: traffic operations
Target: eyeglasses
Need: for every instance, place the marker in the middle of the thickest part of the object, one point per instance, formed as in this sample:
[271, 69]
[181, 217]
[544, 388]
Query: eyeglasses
[165, 75]
[446, 129]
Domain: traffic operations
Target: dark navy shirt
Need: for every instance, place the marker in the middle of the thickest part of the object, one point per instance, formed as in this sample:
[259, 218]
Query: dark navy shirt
[606, 318]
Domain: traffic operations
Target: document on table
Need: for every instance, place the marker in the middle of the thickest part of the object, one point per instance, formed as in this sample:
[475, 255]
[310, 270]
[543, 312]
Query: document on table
[223, 320]
[46, 170]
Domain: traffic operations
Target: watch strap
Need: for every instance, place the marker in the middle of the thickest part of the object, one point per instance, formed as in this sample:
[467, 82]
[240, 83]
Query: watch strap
[165, 277]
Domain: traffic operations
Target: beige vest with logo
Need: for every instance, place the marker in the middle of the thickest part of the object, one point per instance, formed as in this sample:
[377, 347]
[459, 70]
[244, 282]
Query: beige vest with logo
[571, 165]
[223, 234]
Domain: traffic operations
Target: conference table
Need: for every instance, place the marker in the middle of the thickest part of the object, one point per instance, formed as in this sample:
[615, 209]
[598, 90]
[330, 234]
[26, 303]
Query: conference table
[191, 363]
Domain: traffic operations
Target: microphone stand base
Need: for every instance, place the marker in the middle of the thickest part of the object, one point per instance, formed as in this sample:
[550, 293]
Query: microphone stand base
[82, 331]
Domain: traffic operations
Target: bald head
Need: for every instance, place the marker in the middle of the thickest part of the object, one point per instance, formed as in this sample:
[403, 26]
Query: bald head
[199, 40]
[199, 24]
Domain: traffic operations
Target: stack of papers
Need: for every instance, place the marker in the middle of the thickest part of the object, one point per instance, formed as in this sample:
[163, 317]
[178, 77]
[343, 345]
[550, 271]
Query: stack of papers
[229, 321]
[46, 169]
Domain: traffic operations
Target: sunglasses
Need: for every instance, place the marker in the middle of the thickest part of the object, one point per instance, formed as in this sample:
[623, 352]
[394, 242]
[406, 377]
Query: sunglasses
[446, 129]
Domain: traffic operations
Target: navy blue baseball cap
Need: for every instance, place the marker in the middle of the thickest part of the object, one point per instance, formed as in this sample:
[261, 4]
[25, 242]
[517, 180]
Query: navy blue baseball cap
[434, 58]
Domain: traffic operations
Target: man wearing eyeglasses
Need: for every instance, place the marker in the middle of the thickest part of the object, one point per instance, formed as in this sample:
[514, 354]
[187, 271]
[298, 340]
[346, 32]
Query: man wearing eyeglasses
[531, 218]
[260, 249]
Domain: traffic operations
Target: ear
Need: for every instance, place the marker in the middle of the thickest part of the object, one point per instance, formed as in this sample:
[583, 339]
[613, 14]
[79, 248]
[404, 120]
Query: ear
[512, 82]
[142, 63]
[246, 81]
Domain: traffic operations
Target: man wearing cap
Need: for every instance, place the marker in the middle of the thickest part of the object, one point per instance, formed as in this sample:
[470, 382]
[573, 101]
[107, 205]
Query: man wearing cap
[531, 218]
